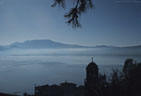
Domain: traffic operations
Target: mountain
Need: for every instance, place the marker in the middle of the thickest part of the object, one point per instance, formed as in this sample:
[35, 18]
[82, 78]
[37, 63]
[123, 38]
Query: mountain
[136, 46]
[42, 44]
[105, 46]
[2, 48]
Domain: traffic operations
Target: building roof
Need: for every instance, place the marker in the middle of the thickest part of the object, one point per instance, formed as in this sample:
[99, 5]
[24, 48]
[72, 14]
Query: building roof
[92, 64]
[5, 94]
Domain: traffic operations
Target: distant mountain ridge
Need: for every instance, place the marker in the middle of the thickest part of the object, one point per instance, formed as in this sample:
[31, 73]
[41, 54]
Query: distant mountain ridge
[43, 44]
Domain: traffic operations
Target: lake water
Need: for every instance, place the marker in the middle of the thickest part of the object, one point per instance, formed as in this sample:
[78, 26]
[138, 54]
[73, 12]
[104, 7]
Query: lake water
[21, 70]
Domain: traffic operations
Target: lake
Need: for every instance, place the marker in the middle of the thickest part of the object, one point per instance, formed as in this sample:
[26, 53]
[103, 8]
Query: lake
[21, 70]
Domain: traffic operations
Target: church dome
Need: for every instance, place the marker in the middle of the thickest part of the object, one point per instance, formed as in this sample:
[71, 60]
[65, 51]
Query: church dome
[92, 65]
[92, 72]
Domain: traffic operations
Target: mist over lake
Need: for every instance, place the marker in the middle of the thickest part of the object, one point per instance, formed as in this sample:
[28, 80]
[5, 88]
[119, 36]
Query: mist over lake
[22, 69]
[47, 42]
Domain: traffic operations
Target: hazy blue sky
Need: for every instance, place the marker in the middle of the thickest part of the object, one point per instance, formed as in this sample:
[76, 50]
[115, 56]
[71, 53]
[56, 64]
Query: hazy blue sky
[112, 23]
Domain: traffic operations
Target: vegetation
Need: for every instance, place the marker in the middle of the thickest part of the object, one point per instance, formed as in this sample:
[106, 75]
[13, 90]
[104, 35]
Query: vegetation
[125, 83]
[80, 6]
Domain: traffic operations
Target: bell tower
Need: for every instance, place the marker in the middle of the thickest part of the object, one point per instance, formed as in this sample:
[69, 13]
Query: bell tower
[91, 82]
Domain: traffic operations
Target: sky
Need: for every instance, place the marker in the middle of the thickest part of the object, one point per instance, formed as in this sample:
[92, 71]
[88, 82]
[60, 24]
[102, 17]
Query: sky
[111, 22]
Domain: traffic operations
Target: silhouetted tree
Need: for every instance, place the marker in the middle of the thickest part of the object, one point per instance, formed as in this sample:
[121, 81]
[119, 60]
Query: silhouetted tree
[131, 80]
[115, 86]
[80, 6]
[134, 80]
[122, 83]
[128, 66]
[103, 85]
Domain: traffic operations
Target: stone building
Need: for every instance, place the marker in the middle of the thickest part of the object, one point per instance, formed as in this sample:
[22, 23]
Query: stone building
[63, 89]
[5, 94]
[91, 87]
[91, 82]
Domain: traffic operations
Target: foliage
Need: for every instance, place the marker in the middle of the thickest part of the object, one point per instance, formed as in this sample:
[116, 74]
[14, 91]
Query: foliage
[125, 83]
[80, 6]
